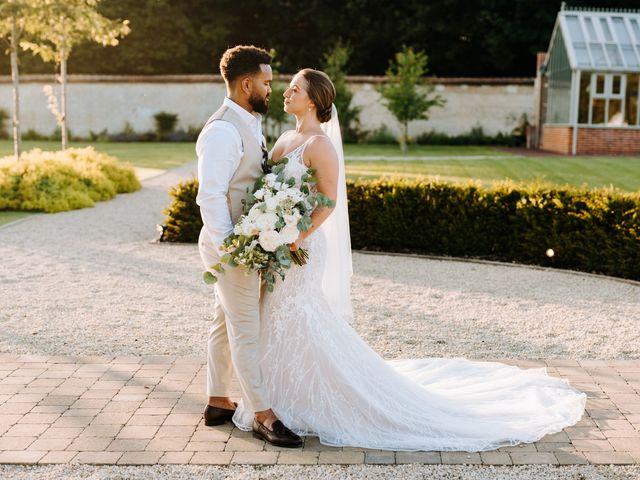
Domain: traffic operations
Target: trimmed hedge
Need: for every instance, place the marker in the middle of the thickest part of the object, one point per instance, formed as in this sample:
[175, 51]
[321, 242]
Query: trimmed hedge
[588, 230]
[64, 180]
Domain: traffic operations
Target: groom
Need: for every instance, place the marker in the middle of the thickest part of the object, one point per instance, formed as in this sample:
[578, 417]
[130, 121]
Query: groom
[230, 151]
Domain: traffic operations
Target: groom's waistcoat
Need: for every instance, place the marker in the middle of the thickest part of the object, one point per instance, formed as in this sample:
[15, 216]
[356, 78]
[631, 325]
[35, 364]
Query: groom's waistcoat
[250, 168]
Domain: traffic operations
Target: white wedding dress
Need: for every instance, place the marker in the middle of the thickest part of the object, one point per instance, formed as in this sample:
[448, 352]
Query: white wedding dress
[324, 380]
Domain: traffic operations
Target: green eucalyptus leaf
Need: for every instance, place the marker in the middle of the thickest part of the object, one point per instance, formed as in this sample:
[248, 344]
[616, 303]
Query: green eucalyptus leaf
[209, 278]
[218, 268]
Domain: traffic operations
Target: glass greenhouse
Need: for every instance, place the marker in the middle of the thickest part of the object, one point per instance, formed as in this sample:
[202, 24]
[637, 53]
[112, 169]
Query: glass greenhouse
[590, 82]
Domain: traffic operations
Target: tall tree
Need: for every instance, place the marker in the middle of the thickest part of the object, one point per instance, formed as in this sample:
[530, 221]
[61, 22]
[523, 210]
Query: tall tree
[403, 97]
[15, 16]
[335, 65]
[60, 26]
[275, 117]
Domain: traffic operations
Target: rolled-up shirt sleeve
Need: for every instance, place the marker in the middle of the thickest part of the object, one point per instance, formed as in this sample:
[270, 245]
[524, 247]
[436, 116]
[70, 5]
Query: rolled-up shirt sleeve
[219, 150]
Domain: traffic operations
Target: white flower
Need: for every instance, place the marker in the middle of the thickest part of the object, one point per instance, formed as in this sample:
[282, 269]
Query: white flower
[270, 179]
[266, 221]
[270, 240]
[294, 194]
[289, 234]
[292, 219]
[246, 227]
[272, 203]
[255, 211]
[259, 194]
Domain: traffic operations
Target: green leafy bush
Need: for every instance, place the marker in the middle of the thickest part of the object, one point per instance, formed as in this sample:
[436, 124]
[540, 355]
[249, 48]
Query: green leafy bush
[588, 230]
[183, 221]
[4, 116]
[381, 136]
[64, 180]
[165, 124]
[475, 136]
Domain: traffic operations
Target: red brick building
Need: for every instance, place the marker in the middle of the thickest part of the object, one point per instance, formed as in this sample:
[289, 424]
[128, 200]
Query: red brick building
[588, 82]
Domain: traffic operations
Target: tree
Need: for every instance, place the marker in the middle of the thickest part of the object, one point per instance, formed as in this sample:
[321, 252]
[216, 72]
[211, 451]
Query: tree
[335, 62]
[403, 98]
[15, 15]
[275, 116]
[62, 24]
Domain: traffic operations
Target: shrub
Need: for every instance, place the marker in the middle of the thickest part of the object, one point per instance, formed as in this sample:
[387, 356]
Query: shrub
[588, 230]
[183, 221]
[4, 116]
[380, 136]
[475, 136]
[65, 180]
[165, 124]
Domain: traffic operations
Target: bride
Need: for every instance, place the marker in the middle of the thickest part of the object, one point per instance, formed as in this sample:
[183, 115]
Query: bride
[324, 380]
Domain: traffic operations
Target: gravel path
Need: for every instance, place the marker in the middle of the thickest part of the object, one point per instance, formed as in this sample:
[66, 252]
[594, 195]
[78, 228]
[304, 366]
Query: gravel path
[92, 282]
[334, 472]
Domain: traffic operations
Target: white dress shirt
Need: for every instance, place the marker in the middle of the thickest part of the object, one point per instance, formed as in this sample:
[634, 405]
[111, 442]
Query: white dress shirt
[219, 150]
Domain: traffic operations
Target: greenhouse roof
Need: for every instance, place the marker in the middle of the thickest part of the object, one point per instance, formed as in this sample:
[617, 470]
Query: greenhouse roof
[600, 40]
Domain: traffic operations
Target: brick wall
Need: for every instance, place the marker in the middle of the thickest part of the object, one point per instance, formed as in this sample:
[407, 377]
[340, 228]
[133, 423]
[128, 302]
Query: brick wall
[615, 141]
[608, 141]
[556, 138]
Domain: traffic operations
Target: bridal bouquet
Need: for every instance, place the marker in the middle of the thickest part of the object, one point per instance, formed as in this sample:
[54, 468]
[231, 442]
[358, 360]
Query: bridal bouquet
[273, 217]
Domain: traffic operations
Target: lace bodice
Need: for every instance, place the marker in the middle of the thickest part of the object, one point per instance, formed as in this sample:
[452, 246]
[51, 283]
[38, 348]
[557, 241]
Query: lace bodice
[295, 166]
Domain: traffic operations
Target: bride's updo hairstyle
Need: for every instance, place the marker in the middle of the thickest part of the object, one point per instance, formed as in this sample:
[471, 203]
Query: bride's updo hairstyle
[321, 92]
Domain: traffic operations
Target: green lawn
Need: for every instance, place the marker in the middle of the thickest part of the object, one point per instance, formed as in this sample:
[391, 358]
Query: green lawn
[147, 155]
[169, 155]
[421, 150]
[621, 172]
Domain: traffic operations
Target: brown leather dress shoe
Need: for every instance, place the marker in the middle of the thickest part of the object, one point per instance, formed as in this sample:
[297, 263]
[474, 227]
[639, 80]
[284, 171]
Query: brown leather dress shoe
[217, 416]
[279, 435]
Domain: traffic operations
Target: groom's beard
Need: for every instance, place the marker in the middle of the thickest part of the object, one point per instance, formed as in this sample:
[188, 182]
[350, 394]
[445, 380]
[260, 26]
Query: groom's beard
[259, 105]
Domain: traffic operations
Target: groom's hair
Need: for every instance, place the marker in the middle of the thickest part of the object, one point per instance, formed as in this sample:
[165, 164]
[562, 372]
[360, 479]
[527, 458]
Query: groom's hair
[241, 61]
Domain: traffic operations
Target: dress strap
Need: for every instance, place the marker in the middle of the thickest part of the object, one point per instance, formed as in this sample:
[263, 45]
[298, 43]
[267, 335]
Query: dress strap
[304, 145]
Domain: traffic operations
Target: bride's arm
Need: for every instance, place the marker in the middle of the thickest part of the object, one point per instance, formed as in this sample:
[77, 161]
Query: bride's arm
[321, 156]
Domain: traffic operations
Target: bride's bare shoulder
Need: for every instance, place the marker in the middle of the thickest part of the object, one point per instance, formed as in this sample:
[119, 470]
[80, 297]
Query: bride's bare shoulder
[320, 150]
[281, 143]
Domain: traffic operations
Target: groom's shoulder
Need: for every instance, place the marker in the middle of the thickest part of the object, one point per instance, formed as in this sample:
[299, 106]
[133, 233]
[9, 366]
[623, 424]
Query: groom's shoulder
[218, 124]
[216, 131]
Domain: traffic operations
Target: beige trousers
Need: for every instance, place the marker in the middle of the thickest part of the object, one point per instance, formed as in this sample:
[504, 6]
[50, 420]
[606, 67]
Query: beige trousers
[234, 336]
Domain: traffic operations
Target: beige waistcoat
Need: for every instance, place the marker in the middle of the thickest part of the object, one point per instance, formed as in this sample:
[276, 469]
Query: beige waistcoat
[250, 168]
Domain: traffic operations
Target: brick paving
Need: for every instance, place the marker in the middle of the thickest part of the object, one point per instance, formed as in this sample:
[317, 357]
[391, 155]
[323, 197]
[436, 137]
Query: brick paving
[147, 410]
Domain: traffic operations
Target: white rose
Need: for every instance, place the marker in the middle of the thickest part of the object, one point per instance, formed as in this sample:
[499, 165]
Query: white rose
[272, 203]
[270, 179]
[266, 221]
[245, 227]
[269, 240]
[295, 194]
[259, 194]
[255, 212]
[249, 228]
[289, 234]
[292, 219]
